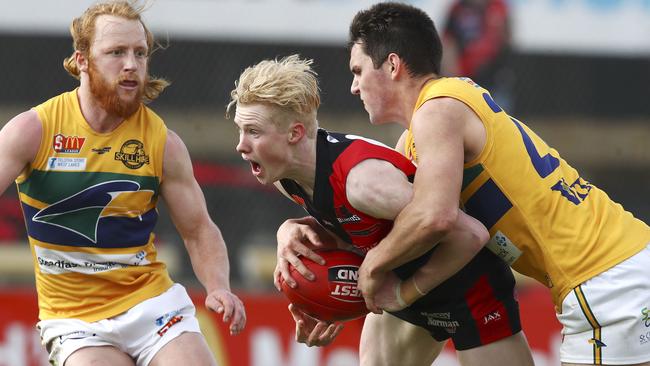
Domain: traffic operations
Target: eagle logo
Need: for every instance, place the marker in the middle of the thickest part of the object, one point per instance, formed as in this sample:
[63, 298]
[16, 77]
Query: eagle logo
[82, 212]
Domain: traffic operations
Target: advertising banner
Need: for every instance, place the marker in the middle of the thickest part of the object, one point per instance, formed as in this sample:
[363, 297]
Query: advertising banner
[268, 339]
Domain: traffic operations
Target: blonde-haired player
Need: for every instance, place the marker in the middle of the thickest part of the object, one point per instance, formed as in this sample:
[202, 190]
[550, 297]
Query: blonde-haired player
[334, 177]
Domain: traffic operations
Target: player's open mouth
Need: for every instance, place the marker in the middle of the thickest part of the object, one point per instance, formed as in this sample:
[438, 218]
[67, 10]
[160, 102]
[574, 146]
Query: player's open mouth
[128, 84]
[255, 167]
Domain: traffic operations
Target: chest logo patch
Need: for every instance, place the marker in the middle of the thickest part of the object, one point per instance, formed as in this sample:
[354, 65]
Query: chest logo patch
[67, 144]
[132, 154]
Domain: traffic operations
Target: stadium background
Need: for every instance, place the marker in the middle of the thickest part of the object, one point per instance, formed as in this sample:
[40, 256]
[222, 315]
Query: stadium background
[581, 74]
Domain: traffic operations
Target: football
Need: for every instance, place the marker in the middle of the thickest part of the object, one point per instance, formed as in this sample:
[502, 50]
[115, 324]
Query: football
[333, 295]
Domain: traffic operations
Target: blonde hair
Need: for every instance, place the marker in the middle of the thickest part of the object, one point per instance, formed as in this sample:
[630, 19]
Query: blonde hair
[82, 30]
[289, 84]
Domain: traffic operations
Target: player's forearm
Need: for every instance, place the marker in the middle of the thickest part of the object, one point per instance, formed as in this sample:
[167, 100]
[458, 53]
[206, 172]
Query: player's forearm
[209, 257]
[452, 254]
[414, 233]
[449, 258]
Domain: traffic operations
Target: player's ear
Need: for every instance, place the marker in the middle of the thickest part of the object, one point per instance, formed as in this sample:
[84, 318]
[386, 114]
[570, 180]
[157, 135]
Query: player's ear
[297, 131]
[82, 61]
[395, 65]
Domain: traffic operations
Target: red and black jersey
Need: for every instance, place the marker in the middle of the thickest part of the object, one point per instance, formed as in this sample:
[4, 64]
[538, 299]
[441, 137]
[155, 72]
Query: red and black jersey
[474, 307]
[336, 155]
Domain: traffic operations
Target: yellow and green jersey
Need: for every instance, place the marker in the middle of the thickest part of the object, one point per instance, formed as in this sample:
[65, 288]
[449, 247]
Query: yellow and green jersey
[89, 201]
[544, 219]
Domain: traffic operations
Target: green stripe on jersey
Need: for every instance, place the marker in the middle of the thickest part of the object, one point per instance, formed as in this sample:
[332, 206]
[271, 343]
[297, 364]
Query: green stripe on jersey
[70, 183]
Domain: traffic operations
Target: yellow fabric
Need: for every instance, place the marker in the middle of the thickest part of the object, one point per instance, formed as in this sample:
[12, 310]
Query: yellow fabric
[94, 257]
[567, 229]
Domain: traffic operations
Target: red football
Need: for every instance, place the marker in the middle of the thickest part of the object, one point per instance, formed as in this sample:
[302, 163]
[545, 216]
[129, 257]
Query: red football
[333, 295]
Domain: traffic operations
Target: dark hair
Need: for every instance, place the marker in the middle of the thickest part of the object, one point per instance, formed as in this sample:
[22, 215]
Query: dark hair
[391, 27]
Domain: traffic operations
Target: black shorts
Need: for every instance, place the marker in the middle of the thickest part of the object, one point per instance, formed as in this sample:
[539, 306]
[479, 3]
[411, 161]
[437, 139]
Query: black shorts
[474, 307]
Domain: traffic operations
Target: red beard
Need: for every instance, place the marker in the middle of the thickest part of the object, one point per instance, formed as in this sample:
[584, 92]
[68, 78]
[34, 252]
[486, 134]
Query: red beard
[106, 94]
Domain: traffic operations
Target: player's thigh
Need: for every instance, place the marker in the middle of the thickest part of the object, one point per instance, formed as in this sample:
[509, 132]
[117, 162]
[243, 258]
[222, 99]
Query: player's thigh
[189, 348]
[388, 340]
[513, 351]
[606, 318]
[99, 356]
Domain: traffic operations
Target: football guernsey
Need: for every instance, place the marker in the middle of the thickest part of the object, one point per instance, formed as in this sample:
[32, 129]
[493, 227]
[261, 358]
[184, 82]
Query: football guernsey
[544, 219]
[89, 201]
[476, 306]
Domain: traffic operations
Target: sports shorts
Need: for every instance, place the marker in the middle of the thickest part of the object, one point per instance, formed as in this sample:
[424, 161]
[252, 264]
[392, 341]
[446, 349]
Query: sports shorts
[606, 319]
[474, 307]
[140, 332]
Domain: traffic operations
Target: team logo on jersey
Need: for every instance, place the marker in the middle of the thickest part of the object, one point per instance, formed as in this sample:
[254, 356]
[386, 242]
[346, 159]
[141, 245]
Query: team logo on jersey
[132, 154]
[81, 213]
[67, 144]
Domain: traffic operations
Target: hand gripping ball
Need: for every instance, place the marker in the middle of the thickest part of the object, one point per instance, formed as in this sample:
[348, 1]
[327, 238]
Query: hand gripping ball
[333, 295]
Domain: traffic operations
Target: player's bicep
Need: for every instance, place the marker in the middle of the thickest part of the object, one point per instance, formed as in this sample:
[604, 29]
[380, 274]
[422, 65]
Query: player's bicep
[377, 188]
[438, 128]
[20, 140]
[179, 188]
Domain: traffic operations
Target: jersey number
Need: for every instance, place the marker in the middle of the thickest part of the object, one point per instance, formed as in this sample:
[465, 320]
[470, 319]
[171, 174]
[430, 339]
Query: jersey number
[544, 165]
[575, 192]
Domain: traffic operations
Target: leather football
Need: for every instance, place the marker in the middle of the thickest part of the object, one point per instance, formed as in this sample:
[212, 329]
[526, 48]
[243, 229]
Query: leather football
[333, 294]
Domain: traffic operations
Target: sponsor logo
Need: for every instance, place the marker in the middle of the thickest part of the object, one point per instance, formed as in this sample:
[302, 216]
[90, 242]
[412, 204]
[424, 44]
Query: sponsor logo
[493, 316]
[344, 216]
[173, 321]
[646, 317]
[66, 164]
[505, 249]
[67, 144]
[343, 283]
[166, 317]
[102, 150]
[132, 154]
[57, 262]
[597, 342]
[441, 320]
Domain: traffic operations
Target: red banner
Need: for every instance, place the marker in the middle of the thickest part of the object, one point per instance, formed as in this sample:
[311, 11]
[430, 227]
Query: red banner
[268, 339]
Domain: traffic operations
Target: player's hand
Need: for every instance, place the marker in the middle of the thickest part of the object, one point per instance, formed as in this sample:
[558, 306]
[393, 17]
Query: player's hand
[369, 282]
[295, 238]
[225, 302]
[389, 295]
[395, 294]
[313, 332]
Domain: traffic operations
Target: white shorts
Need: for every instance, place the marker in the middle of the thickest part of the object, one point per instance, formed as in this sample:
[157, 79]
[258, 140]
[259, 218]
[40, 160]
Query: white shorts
[139, 332]
[607, 318]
